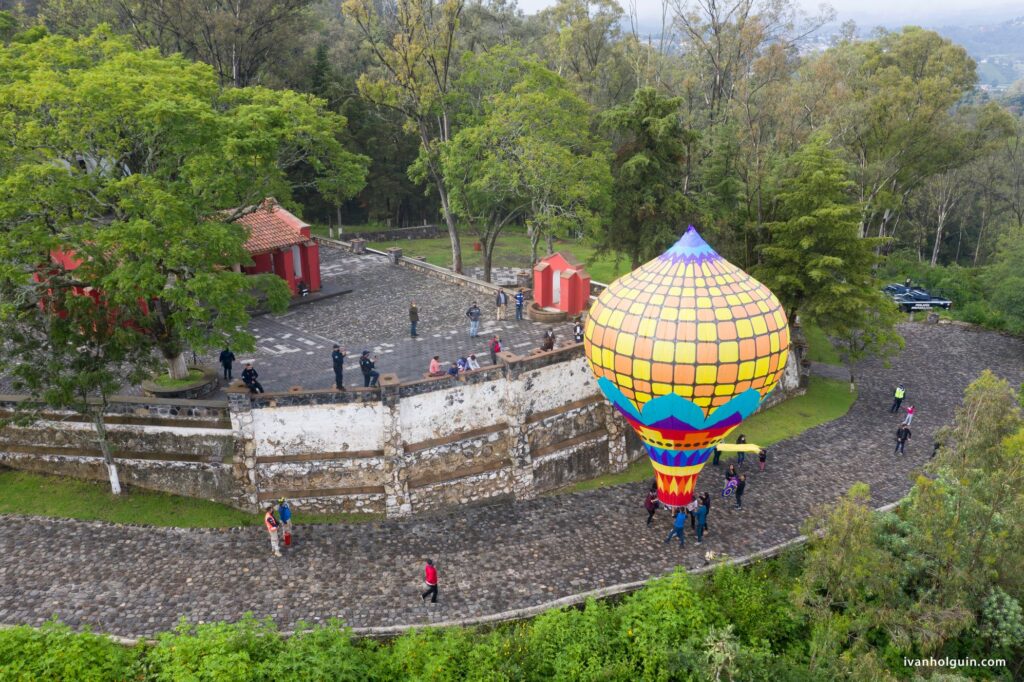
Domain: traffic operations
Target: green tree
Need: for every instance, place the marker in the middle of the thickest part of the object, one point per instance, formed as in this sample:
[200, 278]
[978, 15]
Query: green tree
[1004, 279]
[138, 164]
[525, 152]
[815, 260]
[650, 207]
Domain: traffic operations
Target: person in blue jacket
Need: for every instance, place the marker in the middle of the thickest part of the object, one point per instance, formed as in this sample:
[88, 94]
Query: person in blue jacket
[520, 299]
[702, 518]
[284, 512]
[677, 527]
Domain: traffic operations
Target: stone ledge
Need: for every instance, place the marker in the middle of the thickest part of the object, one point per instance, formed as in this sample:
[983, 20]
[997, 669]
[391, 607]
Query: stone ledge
[426, 480]
[43, 451]
[583, 402]
[569, 443]
[454, 438]
[182, 422]
[319, 456]
[266, 495]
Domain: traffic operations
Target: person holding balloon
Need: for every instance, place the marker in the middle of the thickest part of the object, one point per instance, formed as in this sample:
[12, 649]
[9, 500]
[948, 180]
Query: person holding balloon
[678, 526]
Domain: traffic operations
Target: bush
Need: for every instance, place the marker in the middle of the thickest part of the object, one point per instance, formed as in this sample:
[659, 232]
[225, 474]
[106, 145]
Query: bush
[54, 652]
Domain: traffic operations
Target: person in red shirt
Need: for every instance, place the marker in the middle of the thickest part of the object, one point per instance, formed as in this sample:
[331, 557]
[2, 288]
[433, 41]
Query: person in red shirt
[430, 576]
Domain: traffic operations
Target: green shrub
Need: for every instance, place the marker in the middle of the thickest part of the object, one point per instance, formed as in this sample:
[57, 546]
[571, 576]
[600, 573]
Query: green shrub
[54, 652]
[215, 652]
[752, 602]
[572, 644]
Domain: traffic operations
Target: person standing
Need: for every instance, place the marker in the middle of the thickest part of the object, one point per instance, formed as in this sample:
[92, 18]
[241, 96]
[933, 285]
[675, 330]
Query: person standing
[338, 361]
[430, 577]
[705, 500]
[227, 358]
[902, 436]
[414, 318]
[716, 457]
[501, 303]
[577, 331]
[366, 366]
[474, 320]
[495, 348]
[249, 376]
[762, 457]
[284, 511]
[520, 300]
[702, 518]
[897, 398]
[740, 487]
[910, 416]
[678, 527]
[272, 525]
[549, 341]
[741, 456]
[651, 504]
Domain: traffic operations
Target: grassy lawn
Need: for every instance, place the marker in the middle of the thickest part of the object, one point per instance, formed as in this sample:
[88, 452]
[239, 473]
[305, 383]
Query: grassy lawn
[22, 492]
[164, 381]
[819, 348]
[824, 401]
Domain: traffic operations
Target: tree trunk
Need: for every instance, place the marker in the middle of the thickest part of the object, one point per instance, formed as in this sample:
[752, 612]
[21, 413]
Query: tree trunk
[551, 243]
[177, 368]
[108, 455]
[938, 240]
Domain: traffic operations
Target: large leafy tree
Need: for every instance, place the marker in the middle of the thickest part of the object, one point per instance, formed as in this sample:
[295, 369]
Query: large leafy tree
[137, 164]
[815, 260]
[525, 152]
[650, 204]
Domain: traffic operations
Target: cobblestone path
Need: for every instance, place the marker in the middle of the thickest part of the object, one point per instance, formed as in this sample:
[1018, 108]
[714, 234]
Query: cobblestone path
[137, 581]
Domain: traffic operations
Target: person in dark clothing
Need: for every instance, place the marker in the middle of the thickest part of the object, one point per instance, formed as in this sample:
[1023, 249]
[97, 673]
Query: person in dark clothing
[740, 487]
[897, 397]
[935, 449]
[366, 366]
[414, 318]
[249, 376]
[227, 358]
[715, 458]
[651, 505]
[338, 360]
[702, 517]
[302, 288]
[741, 457]
[549, 340]
[902, 436]
[430, 578]
[501, 303]
[678, 526]
[474, 320]
[705, 500]
[520, 300]
[453, 369]
[731, 472]
[577, 331]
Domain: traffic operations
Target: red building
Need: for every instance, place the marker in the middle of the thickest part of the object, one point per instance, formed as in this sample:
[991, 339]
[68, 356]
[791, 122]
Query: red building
[281, 243]
[559, 281]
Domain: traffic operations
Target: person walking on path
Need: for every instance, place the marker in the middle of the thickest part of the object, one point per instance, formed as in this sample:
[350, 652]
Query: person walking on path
[284, 512]
[549, 340]
[501, 303]
[651, 504]
[430, 577]
[366, 366]
[897, 398]
[762, 457]
[414, 318]
[908, 420]
[740, 487]
[227, 358]
[338, 361]
[249, 376]
[577, 331]
[702, 518]
[520, 300]
[678, 527]
[272, 525]
[495, 348]
[902, 436]
[474, 320]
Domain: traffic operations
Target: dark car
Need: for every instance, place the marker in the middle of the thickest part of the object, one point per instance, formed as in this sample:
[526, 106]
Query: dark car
[914, 298]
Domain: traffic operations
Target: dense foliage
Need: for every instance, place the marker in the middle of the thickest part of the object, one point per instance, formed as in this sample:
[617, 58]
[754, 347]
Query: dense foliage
[940, 578]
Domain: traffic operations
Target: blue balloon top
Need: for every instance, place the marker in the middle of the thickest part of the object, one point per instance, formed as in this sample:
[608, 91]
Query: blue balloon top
[690, 248]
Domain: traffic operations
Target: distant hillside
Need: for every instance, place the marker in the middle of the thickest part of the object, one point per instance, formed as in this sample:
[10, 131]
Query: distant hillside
[998, 49]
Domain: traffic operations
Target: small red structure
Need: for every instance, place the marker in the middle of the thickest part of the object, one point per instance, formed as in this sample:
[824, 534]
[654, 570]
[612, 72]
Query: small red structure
[559, 281]
[281, 243]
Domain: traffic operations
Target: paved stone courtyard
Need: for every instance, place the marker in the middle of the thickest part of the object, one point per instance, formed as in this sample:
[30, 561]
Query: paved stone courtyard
[137, 581]
[294, 349]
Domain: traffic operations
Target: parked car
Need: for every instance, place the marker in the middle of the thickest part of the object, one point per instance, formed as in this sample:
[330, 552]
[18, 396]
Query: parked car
[914, 298]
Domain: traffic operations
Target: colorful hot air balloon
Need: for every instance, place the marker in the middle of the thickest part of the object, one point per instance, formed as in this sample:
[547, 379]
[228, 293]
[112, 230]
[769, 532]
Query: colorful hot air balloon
[686, 347]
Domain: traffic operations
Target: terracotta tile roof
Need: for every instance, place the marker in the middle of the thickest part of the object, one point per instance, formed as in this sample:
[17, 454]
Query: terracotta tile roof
[272, 227]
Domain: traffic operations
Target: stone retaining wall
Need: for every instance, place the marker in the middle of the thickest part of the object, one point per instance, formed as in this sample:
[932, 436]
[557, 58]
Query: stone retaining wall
[398, 233]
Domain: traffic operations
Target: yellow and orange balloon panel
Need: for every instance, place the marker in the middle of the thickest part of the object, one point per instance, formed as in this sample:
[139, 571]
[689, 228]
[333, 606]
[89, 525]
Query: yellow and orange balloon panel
[686, 347]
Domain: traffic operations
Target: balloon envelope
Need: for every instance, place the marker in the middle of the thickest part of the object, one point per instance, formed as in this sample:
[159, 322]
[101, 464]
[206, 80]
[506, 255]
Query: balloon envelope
[686, 347]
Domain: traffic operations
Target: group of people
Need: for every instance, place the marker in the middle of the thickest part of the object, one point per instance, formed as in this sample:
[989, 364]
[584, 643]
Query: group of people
[277, 518]
[697, 510]
[455, 367]
[903, 430]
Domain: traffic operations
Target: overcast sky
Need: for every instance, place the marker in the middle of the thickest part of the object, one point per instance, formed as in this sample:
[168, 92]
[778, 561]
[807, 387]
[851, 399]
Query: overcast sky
[872, 12]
